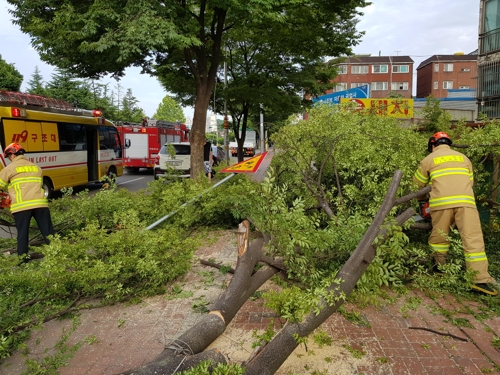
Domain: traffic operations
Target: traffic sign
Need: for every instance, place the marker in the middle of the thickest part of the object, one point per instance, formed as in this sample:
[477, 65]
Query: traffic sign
[248, 166]
[335, 97]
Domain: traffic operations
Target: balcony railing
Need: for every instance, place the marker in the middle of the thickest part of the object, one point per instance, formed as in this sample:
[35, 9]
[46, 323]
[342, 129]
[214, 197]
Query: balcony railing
[489, 42]
[488, 79]
[490, 108]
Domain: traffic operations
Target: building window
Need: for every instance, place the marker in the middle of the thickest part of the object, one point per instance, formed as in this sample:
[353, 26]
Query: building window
[399, 86]
[436, 67]
[447, 67]
[492, 15]
[436, 85]
[359, 69]
[354, 85]
[342, 69]
[447, 85]
[465, 70]
[340, 86]
[379, 86]
[379, 68]
[400, 69]
[464, 87]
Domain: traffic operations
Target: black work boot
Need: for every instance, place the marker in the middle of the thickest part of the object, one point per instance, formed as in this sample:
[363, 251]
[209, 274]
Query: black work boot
[484, 289]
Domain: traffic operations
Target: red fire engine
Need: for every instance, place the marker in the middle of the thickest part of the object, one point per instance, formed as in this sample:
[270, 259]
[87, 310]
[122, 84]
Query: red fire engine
[146, 140]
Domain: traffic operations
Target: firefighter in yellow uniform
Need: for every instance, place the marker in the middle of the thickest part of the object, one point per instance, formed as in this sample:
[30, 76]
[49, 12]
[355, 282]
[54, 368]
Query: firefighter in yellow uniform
[23, 180]
[452, 202]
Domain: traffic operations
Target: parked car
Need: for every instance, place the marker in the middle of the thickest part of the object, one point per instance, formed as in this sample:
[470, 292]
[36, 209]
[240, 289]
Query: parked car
[180, 160]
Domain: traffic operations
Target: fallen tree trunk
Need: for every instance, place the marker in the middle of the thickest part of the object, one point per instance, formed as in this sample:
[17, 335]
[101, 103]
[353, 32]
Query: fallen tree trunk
[246, 281]
[274, 354]
[178, 361]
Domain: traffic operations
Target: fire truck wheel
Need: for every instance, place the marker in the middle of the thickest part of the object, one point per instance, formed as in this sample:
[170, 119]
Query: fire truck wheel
[48, 188]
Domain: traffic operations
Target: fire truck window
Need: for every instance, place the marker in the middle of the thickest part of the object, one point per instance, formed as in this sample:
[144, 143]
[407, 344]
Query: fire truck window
[71, 137]
[105, 140]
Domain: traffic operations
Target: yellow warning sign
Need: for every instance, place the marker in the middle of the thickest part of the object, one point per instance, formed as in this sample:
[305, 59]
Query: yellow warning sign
[248, 166]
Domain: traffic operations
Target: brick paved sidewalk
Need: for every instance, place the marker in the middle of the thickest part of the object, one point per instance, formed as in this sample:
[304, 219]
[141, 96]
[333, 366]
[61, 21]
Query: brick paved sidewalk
[391, 340]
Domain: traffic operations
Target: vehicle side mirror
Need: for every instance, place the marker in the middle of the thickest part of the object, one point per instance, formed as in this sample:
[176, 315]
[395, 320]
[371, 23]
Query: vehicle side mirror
[127, 143]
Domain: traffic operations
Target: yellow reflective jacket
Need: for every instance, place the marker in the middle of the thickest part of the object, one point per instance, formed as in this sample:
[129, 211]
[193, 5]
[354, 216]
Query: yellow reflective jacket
[23, 180]
[450, 174]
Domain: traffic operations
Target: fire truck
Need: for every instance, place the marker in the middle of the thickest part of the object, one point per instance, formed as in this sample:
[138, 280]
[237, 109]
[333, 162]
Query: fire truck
[146, 140]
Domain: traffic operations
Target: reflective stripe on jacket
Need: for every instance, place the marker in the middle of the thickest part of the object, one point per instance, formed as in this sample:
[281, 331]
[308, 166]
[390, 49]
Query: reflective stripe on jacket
[24, 181]
[450, 174]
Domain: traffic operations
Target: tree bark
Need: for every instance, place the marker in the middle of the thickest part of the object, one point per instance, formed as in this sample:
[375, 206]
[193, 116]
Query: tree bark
[176, 363]
[203, 61]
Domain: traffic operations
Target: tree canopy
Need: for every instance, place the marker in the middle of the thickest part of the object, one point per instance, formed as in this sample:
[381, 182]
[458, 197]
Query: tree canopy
[129, 110]
[272, 66]
[88, 94]
[36, 84]
[169, 110]
[178, 41]
[10, 78]
[67, 86]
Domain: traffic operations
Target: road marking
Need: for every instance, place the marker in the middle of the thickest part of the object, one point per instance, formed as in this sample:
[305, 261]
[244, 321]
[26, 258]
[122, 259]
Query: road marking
[126, 182]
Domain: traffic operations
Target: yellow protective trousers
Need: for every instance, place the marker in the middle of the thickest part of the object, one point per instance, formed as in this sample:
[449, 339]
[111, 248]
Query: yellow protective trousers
[468, 224]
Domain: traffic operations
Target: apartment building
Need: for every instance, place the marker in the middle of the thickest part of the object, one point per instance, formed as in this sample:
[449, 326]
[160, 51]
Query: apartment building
[440, 73]
[384, 74]
[488, 87]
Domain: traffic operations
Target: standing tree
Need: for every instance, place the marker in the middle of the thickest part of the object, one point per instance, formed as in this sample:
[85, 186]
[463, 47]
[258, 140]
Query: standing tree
[103, 100]
[169, 110]
[130, 111]
[35, 84]
[180, 42]
[10, 78]
[279, 77]
[66, 86]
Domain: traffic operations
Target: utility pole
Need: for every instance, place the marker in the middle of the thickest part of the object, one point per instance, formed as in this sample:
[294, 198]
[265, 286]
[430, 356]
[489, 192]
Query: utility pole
[226, 121]
[262, 135]
[119, 90]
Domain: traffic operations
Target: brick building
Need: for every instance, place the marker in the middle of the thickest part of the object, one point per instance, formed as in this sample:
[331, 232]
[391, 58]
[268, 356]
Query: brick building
[440, 73]
[383, 73]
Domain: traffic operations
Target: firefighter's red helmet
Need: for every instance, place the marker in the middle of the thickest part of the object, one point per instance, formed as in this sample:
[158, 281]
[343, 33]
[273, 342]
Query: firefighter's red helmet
[437, 139]
[13, 148]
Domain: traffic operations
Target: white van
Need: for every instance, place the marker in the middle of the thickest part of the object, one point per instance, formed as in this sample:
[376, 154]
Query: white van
[178, 159]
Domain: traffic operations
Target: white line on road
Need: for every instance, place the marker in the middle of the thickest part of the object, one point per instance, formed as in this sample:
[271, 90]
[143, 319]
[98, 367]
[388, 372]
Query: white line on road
[126, 182]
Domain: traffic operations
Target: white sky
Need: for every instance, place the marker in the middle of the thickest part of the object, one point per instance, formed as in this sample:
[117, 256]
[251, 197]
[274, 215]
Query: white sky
[418, 29]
